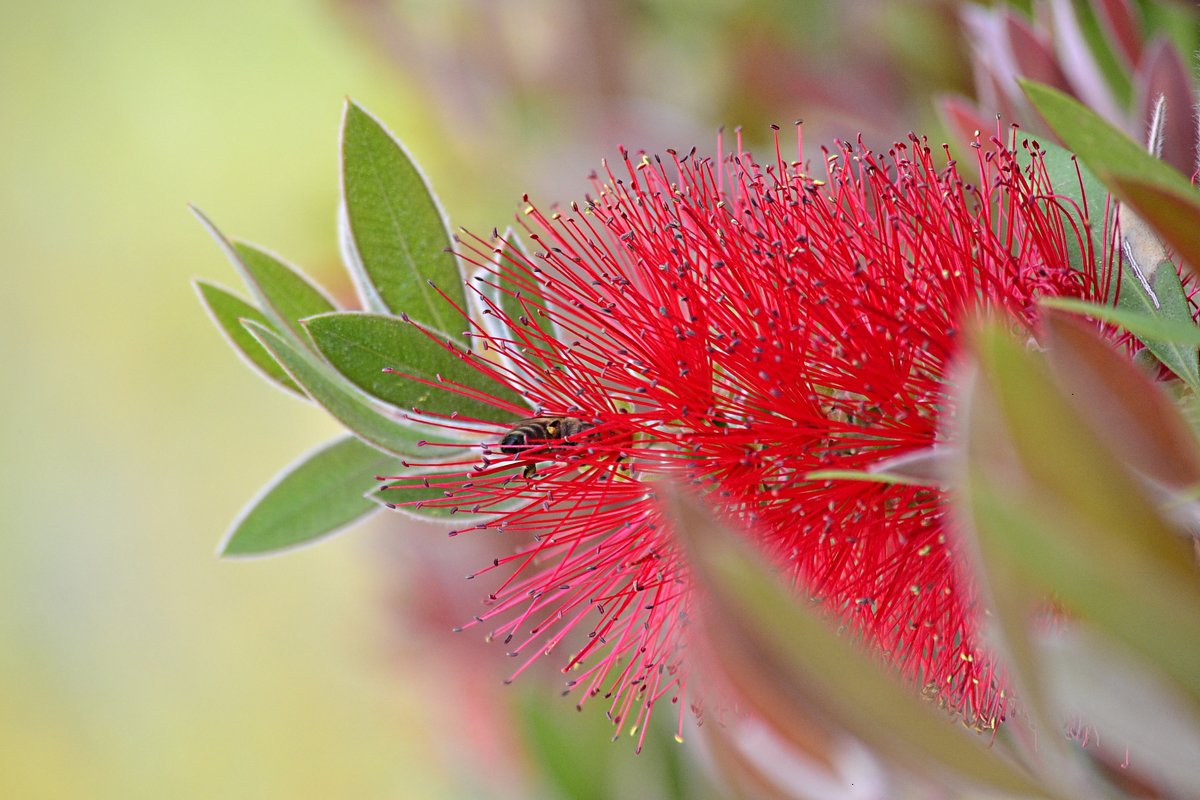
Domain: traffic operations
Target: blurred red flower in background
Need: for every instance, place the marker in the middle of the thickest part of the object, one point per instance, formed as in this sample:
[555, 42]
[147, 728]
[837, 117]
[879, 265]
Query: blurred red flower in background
[737, 326]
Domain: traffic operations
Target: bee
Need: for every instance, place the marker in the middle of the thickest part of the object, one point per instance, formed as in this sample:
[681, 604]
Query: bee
[541, 435]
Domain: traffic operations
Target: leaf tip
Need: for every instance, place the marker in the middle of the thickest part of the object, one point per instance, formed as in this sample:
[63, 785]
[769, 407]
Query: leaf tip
[200, 215]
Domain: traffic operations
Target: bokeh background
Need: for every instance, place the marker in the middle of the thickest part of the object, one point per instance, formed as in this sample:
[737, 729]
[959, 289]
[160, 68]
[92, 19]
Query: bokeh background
[133, 662]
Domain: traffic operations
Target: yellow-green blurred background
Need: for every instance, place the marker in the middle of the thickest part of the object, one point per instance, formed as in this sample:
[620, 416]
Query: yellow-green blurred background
[133, 662]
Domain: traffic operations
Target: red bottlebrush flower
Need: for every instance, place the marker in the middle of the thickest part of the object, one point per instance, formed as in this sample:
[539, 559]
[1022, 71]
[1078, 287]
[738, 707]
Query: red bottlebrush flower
[736, 326]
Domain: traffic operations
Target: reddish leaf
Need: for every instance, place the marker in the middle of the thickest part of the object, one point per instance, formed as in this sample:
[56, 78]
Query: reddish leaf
[1122, 405]
[1079, 63]
[1162, 72]
[1119, 20]
[1033, 55]
[962, 117]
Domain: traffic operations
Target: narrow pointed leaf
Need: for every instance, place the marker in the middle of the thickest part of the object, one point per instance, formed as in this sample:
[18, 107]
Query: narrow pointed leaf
[227, 310]
[1106, 150]
[1093, 74]
[1119, 20]
[1013, 600]
[313, 498]
[1033, 55]
[284, 294]
[285, 291]
[361, 346]
[331, 392]
[1142, 325]
[1159, 195]
[509, 288]
[396, 227]
[1065, 513]
[785, 661]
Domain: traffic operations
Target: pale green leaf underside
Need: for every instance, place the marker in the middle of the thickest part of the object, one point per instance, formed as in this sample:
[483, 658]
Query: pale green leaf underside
[1161, 296]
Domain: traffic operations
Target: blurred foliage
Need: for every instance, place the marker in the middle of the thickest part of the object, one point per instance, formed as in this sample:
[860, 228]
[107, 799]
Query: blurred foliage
[1072, 463]
[1074, 489]
[134, 663]
[535, 92]
[1129, 61]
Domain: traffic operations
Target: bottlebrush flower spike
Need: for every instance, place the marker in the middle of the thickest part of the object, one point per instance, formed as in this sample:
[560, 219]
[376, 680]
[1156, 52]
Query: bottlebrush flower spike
[736, 326]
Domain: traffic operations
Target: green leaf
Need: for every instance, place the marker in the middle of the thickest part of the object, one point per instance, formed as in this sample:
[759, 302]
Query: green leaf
[1112, 71]
[863, 475]
[313, 498]
[1157, 291]
[1045, 494]
[285, 291]
[396, 227]
[330, 392]
[923, 467]
[285, 295]
[227, 310]
[787, 665]
[1013, 601]
[360, 346]
[1106, 150]
[1139, 324]
[1073, 181]
[1149, 280]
